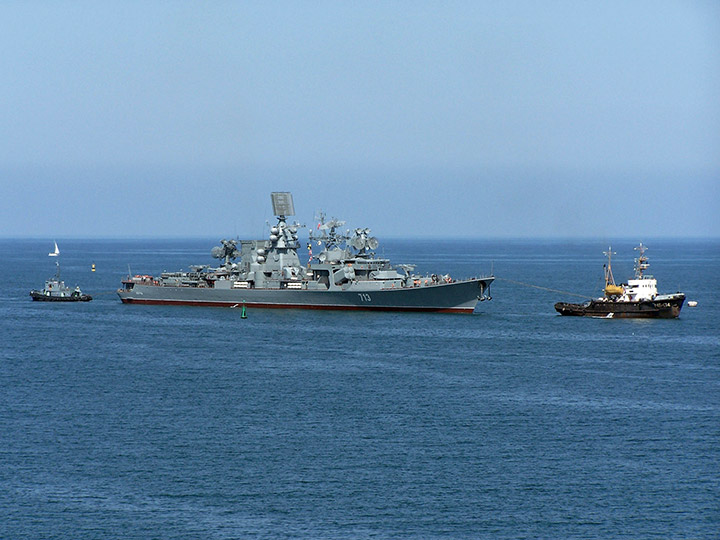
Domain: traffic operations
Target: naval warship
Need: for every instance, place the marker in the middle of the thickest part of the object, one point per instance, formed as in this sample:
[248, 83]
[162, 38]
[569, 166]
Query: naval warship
[638, 298]
[344, 275]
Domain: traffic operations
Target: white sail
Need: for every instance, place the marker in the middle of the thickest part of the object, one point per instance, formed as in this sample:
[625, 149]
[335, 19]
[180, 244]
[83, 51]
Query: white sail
[54, 253]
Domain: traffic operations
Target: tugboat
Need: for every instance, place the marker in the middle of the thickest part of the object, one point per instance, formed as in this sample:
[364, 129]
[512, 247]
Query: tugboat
[345, 275]
[638, 298]
[55, 289]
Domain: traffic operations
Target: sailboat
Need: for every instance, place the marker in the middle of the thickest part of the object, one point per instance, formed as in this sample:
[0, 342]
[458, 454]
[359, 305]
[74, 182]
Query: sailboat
[54, 253]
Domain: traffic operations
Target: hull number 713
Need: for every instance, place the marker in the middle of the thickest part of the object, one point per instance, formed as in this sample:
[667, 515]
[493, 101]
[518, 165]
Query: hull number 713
[364, 297]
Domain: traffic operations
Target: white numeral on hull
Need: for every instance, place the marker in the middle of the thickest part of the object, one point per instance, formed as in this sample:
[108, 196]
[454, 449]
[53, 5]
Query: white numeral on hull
[364, 297]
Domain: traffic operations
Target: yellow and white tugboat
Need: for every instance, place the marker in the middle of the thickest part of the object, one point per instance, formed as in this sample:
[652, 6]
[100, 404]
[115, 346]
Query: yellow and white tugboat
[638, 298]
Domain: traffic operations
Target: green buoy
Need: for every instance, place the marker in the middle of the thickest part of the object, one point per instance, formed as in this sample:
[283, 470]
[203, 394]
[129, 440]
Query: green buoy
[243, 315]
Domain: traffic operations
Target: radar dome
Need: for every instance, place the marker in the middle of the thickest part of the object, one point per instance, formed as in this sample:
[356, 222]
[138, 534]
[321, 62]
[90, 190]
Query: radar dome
[358, 242]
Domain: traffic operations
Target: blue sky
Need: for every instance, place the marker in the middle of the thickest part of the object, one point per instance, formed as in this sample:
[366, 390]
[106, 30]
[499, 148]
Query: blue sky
[472, 119]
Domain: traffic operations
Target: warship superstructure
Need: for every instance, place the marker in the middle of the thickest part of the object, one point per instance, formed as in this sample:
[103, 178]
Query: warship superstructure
[638, 298]
[345, 274]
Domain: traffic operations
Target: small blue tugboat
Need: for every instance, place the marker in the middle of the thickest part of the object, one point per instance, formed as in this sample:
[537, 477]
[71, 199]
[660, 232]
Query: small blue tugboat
[55, 289]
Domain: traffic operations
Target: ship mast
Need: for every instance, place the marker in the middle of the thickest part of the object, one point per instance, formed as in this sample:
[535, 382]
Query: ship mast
[641, 263]
[609, 279]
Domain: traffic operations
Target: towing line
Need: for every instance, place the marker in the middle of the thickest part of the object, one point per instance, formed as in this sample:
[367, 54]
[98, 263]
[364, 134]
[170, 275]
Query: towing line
[543, 288]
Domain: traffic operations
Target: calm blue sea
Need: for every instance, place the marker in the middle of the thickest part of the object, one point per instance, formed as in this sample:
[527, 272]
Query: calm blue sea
[140, 422]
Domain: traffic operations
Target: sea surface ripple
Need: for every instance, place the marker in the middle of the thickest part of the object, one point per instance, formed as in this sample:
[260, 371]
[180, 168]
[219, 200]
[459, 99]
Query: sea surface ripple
[124, 421]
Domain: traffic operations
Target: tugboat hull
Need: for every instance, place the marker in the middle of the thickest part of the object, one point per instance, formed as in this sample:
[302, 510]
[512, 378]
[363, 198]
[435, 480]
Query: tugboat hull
[667, 307]
[41, 297]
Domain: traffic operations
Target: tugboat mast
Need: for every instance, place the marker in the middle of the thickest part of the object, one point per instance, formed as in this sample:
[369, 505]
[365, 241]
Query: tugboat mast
[612, 290]
[641, 263]
[609, 279]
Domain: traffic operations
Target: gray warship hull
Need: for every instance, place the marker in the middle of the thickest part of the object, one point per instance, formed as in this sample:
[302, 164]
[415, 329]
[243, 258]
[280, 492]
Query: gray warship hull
[456, 297]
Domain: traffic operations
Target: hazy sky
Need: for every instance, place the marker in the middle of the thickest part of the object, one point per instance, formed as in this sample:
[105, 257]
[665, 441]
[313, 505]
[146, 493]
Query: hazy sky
[482, 119]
